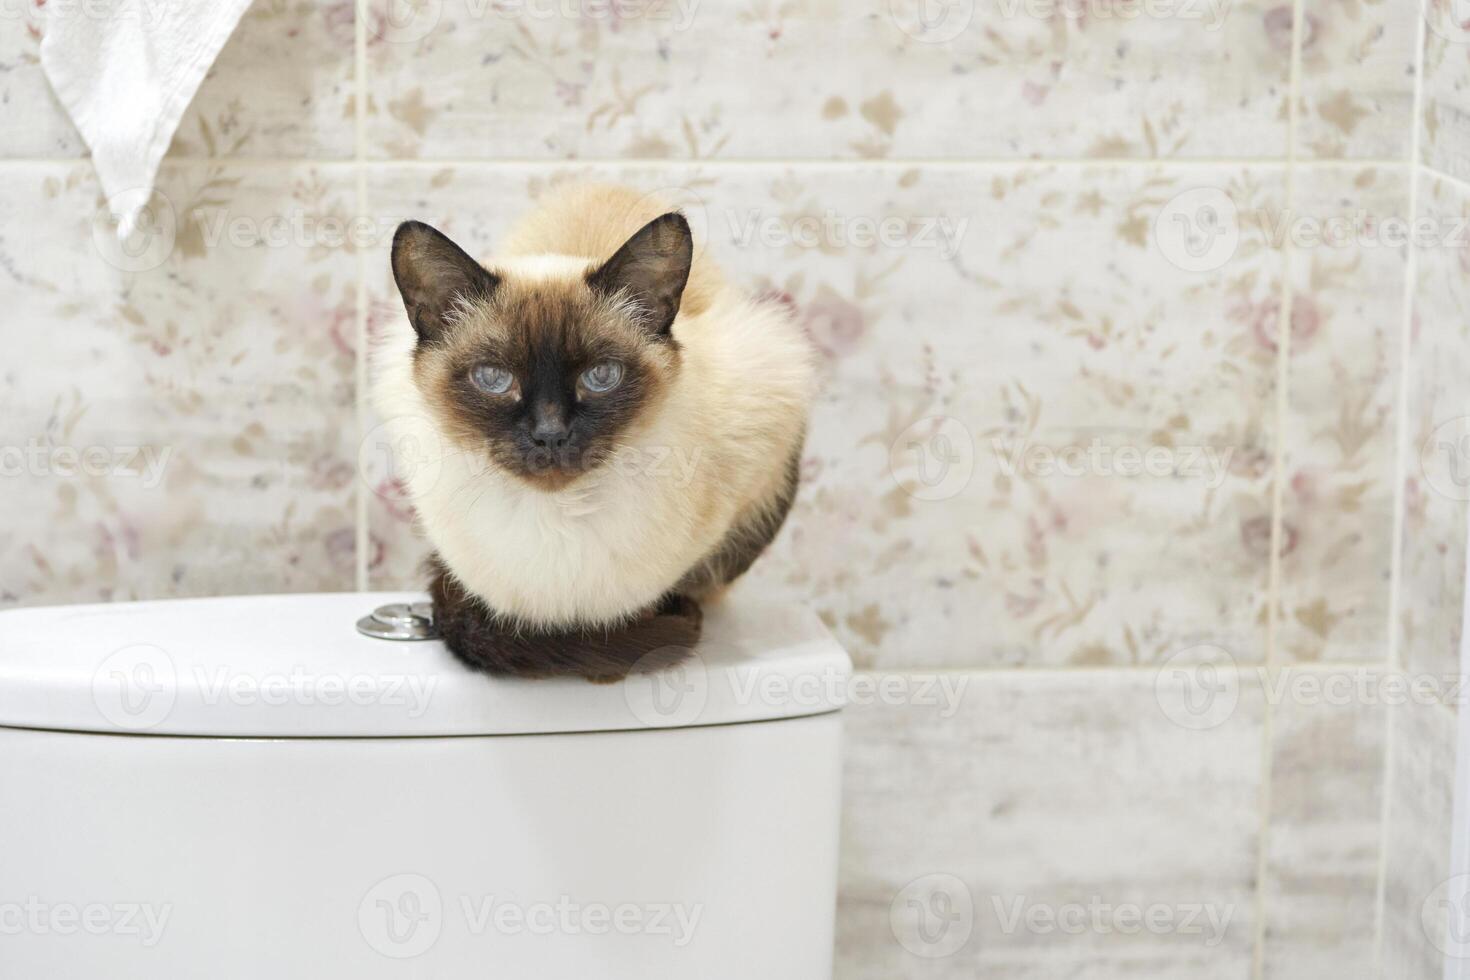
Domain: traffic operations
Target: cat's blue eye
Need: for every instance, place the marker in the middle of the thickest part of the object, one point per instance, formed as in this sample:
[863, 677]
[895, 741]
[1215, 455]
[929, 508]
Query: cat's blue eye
[491, 379]
[602, 376]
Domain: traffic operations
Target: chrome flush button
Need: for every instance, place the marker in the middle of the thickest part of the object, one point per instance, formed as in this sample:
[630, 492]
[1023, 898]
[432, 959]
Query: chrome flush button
[400, 621]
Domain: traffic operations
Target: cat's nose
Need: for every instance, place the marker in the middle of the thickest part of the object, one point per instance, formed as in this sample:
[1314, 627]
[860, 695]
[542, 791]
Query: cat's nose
[549, 429]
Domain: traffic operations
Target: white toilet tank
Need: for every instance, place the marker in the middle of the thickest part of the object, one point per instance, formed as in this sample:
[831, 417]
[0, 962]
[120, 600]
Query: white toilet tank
[250, 788]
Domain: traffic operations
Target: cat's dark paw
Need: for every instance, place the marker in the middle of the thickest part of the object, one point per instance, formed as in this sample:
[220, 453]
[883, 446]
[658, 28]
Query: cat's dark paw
[666, 634]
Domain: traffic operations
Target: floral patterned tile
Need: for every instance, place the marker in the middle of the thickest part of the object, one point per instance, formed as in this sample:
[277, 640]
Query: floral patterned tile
[32, 122]
[1417, 842]
[1357, 81]
[1017, 861]
[1041, 441]
[176, 414]
[1437, 477]
[1340, 430]
[476, 79]
[281, 88]
[1321, 884]
[1445, 119]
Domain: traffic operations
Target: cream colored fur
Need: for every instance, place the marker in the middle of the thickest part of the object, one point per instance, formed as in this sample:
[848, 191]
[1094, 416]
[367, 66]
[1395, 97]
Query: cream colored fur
[614, 541]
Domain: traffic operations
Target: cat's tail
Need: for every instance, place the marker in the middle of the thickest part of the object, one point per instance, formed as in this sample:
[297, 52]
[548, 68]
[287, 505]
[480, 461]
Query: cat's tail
[661, 637]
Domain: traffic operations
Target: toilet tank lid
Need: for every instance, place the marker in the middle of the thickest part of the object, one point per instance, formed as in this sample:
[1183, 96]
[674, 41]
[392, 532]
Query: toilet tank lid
[295, 666]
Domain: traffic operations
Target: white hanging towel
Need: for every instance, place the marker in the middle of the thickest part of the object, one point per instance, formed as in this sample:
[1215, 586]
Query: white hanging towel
[126, 70]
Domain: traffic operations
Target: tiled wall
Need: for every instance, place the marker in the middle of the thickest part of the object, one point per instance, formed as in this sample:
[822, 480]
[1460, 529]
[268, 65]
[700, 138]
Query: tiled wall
[1051, 306]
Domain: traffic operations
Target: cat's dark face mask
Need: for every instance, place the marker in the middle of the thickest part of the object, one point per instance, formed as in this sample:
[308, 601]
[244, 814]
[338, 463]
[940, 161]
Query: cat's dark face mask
[544, 376]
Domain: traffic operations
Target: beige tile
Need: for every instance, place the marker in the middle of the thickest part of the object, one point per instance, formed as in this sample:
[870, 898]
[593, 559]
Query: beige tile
[229, 358]
[32, 122]
[470, 79]
[965, 809]
[1340, 430]
[1437, 481]
[1321, 883]
[1357, 79]
[282, 87]
[1417, 840]
[1045, 320]
[1445, 118]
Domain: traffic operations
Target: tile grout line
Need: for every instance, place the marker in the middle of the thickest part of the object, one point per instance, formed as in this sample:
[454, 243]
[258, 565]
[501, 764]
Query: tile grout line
[1123, 670]
[1273, 575]
[360, 502]
[1401, 455]
[1458, 183]
[959, 163]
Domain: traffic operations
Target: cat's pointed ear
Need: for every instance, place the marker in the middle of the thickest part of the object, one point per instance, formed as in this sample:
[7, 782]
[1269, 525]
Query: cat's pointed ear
[651, 269]
[433, 275]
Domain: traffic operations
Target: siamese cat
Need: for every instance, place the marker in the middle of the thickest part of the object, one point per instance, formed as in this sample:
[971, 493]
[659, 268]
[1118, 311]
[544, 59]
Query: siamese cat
[618, 432]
